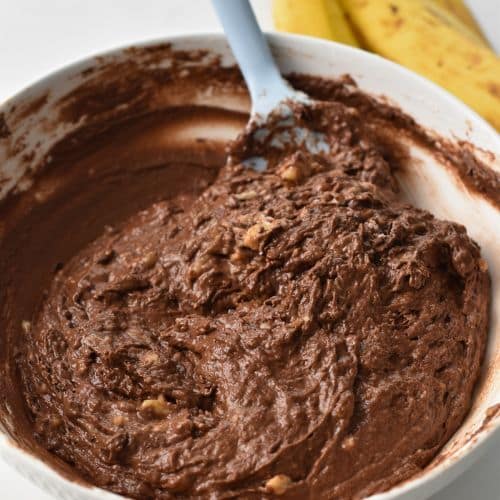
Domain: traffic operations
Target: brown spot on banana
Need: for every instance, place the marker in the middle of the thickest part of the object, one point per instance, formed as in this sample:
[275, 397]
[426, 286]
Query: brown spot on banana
[494, 89]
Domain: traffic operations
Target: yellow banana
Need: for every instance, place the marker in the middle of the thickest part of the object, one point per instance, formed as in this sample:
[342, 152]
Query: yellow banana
[448, 17]
[320, 18]
[412, 34]
[462, 12]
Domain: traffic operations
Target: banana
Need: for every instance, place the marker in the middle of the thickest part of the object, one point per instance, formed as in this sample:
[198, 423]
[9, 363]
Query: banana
[438, 8]
[458, 9]
[320, 18]
[411, 33]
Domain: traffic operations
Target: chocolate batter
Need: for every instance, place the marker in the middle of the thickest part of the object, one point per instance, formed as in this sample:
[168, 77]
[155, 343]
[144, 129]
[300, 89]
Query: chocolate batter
[299, 332]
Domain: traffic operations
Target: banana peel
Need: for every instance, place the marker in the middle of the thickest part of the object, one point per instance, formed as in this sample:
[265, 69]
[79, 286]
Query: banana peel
[410, 33]
[319, 18]
[327, 19]
[458, 9]
[442, 9]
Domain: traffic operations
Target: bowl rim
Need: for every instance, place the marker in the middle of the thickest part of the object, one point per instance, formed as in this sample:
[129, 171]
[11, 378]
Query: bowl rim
[439, 475]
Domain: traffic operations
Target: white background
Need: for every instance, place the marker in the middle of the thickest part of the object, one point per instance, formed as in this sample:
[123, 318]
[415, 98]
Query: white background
[38, 36]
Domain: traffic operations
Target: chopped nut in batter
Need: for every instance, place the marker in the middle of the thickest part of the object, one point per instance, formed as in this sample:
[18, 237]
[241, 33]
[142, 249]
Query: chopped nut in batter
[158, 407]
[278, 484]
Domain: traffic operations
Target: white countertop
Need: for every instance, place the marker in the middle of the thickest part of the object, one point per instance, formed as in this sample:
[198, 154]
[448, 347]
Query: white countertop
[50, 34]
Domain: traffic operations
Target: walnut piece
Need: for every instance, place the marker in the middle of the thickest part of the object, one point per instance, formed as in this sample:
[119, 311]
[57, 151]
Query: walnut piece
[291, 174]
[238, 256]
[119, 420]
[200, 265]
[55, 422]
[253, 236]
[278, 484]
[150, 358]
[158, 407]
[149, 260]
[348, 443]
[26, 326]
[297, 167]
[258, 233]
[246, 195]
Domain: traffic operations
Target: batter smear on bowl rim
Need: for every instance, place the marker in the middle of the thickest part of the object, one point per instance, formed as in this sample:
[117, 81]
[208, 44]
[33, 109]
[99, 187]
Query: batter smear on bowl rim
[299, 332]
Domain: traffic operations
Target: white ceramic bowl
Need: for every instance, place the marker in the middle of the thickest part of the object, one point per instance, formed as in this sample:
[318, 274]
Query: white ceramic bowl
[428, 185]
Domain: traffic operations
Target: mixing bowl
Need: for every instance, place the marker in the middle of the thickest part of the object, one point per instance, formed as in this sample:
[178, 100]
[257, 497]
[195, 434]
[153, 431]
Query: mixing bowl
[34, 123]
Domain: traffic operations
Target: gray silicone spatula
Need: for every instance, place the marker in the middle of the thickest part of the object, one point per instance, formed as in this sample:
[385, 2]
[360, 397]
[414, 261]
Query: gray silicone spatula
[271, 94]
